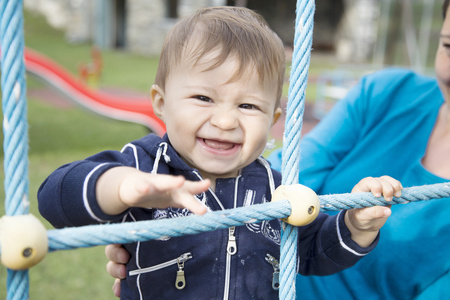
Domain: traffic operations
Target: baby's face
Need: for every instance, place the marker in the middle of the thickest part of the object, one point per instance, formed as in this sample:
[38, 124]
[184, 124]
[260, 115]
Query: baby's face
[217, 126]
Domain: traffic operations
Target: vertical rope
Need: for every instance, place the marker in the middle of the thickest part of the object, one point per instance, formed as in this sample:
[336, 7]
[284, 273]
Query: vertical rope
[15, 129]
[304, 23]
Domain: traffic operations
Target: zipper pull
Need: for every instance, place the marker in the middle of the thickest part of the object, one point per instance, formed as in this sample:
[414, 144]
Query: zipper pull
[180, 281]
[276, 271]
[231, 246]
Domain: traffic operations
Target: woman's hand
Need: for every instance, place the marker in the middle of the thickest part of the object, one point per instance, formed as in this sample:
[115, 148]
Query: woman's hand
[118, 256]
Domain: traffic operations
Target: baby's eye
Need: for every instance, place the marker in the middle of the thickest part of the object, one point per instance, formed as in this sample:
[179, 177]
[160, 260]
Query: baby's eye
[202, 98]
[248, 106]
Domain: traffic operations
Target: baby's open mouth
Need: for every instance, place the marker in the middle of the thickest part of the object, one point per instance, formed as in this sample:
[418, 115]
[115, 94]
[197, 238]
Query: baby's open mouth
[219, 145]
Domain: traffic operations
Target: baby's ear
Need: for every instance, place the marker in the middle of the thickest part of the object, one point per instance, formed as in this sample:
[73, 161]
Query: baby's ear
[157, 95]
[276, 115]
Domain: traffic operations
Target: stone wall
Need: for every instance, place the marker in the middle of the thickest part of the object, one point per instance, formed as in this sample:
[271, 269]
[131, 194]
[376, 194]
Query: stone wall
[146, 25]
[147, 22]
[357, 32]
[56, 11]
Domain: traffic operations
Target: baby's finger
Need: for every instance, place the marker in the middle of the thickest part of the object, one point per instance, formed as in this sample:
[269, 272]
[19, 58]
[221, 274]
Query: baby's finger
[197, 187]
[185, 197]
[395, 185]
[197, 207]
[154, 185]
[371, 218]
[369, 184]
[162, 184]
[188, 201]
[375, 212]
[387, 189]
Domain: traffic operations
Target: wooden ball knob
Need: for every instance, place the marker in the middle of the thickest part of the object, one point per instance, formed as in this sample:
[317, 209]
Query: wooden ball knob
[23, 241]
[304, 201]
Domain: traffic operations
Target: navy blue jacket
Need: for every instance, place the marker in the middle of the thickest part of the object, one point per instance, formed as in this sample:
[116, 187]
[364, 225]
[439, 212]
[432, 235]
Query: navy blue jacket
[234, 263]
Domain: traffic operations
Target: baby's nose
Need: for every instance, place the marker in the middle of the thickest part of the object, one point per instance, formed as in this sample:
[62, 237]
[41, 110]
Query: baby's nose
[224, 119]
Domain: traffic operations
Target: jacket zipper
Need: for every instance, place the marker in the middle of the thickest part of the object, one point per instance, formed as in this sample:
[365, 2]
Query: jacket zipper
[276, 271]
[231, 245]
[180, 282]
[231, 250]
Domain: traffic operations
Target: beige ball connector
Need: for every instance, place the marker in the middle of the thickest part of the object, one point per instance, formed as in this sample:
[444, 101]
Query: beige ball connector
[23, 241]
[304, 201]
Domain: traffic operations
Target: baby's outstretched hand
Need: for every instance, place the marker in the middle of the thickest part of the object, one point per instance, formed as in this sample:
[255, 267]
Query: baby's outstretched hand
[364, 223]
[135, 188]
[162, 191]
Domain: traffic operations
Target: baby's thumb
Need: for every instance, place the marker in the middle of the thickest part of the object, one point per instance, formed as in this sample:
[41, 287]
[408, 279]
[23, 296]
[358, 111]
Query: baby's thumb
[382, 212]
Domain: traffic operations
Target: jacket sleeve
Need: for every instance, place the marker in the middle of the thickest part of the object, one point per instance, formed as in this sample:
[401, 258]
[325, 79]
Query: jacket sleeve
[325, 246]
[67, 196]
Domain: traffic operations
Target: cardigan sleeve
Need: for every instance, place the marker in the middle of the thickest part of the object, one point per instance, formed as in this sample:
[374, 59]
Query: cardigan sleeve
[329, 141]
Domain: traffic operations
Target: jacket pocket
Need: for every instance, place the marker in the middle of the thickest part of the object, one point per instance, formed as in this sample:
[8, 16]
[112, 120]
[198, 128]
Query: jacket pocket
[180, 282]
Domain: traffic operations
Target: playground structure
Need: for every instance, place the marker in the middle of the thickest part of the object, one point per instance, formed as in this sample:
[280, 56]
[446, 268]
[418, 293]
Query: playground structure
[132, 109]
[15, 128]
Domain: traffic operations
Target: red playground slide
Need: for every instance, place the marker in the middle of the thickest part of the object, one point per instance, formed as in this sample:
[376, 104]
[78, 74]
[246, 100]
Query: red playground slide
[132, 109]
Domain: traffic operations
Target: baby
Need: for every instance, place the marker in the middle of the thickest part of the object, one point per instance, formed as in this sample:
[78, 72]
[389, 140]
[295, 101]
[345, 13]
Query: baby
[218, 90]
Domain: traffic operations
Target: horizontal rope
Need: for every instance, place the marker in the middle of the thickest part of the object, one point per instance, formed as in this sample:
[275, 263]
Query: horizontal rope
[361, 200]
[124, 233]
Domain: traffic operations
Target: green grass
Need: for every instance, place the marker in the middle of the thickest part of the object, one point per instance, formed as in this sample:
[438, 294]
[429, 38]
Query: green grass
[57, 137]
[61, 135]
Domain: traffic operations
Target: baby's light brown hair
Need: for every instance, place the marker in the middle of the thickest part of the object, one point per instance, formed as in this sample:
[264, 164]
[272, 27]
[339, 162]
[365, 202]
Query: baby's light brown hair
[231, 31]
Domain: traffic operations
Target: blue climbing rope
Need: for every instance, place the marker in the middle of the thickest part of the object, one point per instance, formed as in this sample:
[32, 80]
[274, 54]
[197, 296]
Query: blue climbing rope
[362, 200]
[124, 233]
[15, 127]
[291, 140]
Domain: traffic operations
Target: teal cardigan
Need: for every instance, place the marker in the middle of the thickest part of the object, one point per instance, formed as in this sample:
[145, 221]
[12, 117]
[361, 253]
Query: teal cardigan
[382, 128]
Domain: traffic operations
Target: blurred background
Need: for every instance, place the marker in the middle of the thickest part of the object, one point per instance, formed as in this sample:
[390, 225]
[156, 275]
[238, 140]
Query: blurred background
[111, 48]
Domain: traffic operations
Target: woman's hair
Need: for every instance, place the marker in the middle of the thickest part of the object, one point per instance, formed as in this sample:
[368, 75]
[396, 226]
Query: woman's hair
[444, 7]
[229, 31]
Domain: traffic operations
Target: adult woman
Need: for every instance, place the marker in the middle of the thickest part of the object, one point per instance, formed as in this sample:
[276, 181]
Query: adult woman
[394, 122]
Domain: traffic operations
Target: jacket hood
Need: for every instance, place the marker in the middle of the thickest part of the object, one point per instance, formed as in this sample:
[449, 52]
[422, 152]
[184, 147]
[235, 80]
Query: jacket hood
[164, 155]
[162, 151]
